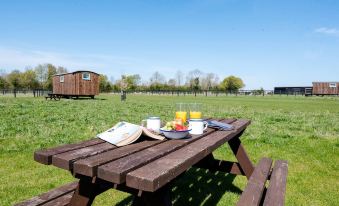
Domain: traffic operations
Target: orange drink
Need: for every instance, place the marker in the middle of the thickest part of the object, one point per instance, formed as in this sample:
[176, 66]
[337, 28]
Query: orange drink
[195, 111]
[181, 115]
[195, 115]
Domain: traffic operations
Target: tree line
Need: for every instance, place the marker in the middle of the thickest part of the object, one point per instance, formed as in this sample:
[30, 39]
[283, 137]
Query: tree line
[194, 80]
[40, 77]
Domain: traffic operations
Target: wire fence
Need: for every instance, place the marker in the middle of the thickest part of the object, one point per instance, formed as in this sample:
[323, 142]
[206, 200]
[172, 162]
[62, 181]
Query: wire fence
[24, 92]
[43, 92]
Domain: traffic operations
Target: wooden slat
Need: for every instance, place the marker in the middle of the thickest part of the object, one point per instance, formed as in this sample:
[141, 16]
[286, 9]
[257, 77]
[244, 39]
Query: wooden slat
[161, 171]
[275, 194]
[51, 195]
[45, 156]
[252, 194]
[116, 171]
[61, 201]
[65, 160]
[88, 166]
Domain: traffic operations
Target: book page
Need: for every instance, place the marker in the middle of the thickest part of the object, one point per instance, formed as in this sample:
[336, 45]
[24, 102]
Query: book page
[121, 134]
[150, 134]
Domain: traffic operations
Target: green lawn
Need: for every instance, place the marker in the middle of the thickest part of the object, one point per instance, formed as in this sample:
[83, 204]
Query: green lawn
[304, 131]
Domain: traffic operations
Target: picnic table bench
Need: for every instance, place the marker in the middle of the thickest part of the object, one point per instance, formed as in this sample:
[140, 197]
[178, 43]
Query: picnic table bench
[148, 168]
[51, 96]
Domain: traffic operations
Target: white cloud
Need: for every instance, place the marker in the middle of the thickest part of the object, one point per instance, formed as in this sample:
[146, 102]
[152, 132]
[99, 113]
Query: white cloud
[327, 31]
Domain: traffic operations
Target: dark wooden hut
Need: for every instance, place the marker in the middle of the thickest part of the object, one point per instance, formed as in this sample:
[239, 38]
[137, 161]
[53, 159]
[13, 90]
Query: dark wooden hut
[293, 90]
[325, 88]
[76, 84]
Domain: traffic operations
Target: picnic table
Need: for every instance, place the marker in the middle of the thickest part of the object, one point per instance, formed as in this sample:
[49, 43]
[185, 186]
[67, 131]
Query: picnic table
[145, 169]
[51, 96]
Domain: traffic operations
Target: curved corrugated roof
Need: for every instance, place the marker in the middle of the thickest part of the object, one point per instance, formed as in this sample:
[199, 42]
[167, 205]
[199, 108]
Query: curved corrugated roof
[76, 72]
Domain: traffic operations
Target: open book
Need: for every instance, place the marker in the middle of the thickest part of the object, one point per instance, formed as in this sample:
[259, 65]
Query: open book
[124, 133]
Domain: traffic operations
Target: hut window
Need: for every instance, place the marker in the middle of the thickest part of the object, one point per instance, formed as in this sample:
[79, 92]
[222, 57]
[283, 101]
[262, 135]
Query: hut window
[333, 85]
[62, 78]
[86, 76]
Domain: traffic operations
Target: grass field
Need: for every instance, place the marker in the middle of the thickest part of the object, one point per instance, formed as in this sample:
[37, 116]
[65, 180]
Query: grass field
[304, 131]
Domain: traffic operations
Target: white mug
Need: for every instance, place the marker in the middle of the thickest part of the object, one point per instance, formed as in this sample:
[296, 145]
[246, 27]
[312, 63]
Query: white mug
[197, 126]
[152, 123]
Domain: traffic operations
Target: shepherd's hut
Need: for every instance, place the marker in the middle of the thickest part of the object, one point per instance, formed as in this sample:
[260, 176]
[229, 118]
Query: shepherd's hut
[76, 84]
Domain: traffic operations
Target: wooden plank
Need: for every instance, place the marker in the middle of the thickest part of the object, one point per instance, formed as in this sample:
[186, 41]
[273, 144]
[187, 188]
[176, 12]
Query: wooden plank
[161, 171]
[87, 189]
[45, 156]
[51, 195]
[88, 166]
[242, 157]
[253, 192]
[275, 194]
[61, 201]
[116, 171]
[65, 160]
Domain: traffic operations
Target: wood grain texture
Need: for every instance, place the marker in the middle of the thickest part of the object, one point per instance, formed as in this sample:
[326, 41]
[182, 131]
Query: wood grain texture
[116, 171]
[89, 166]
[242, 157]
[323, 88]
[253, 192]
[55, 194]
[45, 156]
[74, 84]
[161, 171]
[60, 201]
[275, 194]
[65, 160]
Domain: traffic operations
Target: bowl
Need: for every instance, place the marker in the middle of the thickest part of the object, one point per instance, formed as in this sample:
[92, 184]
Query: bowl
[174, 134]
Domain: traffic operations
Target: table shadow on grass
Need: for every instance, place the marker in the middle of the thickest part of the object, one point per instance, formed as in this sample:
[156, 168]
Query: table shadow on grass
[198, 187]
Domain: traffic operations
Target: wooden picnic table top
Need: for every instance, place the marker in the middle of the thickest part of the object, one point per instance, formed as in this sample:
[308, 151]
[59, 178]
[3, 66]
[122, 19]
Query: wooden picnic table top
[146, 165]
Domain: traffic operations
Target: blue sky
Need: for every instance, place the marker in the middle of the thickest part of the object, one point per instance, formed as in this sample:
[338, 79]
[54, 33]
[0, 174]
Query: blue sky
[266, 43]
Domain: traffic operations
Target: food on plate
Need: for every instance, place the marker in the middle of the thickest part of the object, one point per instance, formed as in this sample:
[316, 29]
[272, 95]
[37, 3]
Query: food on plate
[177, 125]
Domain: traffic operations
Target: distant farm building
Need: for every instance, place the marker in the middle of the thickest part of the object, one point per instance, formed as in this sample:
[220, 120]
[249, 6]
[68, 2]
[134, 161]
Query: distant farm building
[293, 90]
[76, 84]
[325, 88]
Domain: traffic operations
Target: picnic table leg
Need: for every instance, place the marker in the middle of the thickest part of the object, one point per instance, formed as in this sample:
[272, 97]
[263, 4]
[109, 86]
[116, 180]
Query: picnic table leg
[212, 164]
[161, 197]
[241, 155]
[86, 191]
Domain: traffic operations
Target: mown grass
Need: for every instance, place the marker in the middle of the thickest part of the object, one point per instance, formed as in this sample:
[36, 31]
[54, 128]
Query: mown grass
[304, 131]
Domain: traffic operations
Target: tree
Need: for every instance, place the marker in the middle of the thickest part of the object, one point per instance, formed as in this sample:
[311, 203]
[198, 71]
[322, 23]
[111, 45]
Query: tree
[3, 83]
[192, 78]
[14, 79]
[171, 84]
[128, 82]
[104, 84]
[61, 70]
[51, 71]
[157, 78]
[209, 81]
[133, 81]
[157, 81]
[179, 76]
[29, 79]
[41, 72]
[232, 84]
